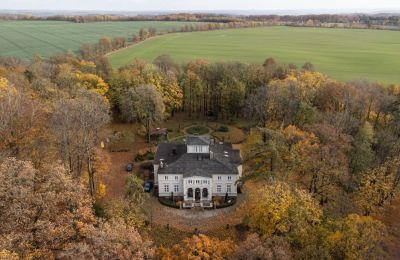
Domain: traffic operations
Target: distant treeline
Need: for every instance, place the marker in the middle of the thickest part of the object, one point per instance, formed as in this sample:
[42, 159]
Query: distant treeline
[382, 21]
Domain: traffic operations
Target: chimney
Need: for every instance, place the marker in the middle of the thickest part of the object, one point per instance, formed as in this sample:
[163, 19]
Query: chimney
[174, 152]
[211, 155]
[161, 163]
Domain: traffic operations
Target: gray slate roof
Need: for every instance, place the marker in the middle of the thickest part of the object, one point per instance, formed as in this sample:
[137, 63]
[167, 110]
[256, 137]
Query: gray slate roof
[225, 160]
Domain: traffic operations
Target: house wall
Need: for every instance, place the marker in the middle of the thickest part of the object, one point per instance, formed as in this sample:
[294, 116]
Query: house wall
[198, 149]
[170, 180]
[224, 180]
[155, 170]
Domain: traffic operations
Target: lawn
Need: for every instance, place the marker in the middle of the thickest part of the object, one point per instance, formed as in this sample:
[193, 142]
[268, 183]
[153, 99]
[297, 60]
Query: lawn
[24, 39]
[343, 54]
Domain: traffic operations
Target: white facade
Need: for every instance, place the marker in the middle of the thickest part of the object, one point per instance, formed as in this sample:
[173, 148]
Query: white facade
[198, 149]
[168, 183]
[217, 185]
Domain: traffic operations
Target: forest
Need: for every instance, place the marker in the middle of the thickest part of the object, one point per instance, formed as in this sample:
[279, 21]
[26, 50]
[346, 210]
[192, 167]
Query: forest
[384, 20]
[324, 153]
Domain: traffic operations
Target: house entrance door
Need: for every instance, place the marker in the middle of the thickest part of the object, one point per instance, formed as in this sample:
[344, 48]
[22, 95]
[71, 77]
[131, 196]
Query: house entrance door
[197, 194]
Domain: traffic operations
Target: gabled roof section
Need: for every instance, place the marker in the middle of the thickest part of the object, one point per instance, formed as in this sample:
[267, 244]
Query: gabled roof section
[198, 140]
[222, 159]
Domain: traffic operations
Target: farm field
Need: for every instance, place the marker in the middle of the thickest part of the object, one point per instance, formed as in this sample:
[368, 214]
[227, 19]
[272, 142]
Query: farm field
[343, 54]
[24, 39]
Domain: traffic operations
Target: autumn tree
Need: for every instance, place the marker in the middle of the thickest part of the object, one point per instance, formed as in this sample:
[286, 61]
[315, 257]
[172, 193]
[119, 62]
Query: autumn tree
[110, 240]
[256, 247]
[76, 122]
[40, 209]
[130, 208]
[378, 186]
[198, 247]
[279, 210]
[21, 123]
[47, 214]
[143, 104]
[358, 237]
[361, 155]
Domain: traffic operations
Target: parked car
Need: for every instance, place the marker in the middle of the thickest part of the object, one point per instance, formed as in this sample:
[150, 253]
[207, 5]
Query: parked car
[148, 185]
[129, 167]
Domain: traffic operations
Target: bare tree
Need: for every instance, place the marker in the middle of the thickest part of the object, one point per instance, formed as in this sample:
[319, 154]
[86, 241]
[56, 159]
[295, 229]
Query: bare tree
[76, 123]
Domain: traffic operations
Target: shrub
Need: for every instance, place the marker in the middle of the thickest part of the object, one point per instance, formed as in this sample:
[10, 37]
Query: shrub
[223, 128]
[148, 155]
[147, 166]
[168, 202]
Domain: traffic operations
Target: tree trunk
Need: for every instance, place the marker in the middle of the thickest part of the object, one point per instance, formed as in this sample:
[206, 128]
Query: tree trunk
[91, 176]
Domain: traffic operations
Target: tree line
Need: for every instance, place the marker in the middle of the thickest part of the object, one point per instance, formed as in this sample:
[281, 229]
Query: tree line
[380, 21]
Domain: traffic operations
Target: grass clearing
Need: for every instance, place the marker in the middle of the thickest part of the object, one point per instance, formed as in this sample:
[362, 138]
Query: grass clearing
[24, 39]
[343, 54]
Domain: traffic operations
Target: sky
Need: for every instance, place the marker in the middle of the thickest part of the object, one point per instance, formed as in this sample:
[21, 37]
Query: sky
[206, 5]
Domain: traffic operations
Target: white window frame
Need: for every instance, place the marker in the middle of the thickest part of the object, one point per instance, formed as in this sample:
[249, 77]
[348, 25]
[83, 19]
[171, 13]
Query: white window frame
[219, 188]
[228, 188]
[166, 188]
[219, 177]
[176, 188]
[176, 178]
[166, 178]
[229, 177]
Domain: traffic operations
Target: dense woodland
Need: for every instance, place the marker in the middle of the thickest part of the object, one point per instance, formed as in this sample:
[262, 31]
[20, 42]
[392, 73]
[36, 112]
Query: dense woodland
[326, 152]
[382, 21]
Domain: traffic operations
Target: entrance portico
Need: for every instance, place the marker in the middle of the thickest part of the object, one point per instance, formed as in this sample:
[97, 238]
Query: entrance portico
[197, 191]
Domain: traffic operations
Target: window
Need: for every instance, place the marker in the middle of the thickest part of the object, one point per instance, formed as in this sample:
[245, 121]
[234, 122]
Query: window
[166, 177]
[190, 181]
[219, 177]
[205, 193]
[176, 178]
[190, 193]
[219, 188]
[229, 177]
[176, 188]
[166, 188]
[228, 188]
[204, 181]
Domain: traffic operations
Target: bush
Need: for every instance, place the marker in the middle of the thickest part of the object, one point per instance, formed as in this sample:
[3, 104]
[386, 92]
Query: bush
[223, 128]
[147, 166]
[99, 210]
[148, 155]
[141, 131]
[168, 202]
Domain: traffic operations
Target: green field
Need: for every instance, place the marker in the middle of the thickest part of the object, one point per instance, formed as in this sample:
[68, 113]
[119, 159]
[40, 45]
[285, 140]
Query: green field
[343, 54]
[24, 39]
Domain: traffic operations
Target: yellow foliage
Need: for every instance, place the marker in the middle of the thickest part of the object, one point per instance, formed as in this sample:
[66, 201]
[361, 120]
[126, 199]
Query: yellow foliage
[92, 82]
[359, 237]
[277, 209]
[198, 247]
[101, 191]
[7, 255]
